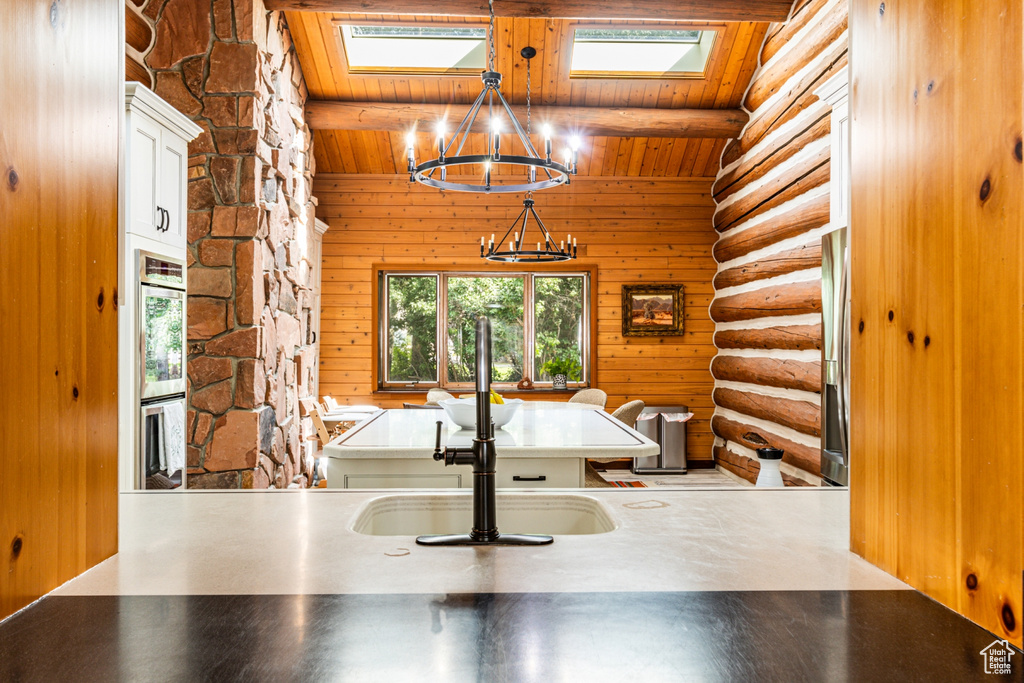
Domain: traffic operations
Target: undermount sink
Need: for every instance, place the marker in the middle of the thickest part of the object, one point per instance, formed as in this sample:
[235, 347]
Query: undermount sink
[452, 513]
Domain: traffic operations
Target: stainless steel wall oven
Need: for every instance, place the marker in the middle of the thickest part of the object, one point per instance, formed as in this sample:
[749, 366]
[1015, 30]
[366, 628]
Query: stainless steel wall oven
[162, 371]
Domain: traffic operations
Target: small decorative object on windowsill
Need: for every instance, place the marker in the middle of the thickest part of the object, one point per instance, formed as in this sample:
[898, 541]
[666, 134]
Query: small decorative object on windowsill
[525, 384]
[558, 382]
[769, 458]
[652, 310]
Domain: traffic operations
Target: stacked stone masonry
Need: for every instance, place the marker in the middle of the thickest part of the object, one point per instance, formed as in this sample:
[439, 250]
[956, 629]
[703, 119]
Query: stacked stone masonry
[230, 66]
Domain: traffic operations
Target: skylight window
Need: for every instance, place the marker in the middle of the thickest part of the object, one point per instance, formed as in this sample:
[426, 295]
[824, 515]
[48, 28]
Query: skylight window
[428, 49]
[640, 53]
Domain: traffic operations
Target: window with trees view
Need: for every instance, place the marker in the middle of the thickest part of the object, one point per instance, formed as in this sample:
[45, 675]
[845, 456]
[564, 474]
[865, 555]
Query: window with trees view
[540, 327]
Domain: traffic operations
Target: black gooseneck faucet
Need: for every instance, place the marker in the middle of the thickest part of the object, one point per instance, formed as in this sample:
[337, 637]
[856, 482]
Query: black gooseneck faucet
[483, 457]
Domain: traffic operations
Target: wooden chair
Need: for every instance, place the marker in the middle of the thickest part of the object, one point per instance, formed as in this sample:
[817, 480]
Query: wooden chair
[318, 423]
[594, 397]
[307, 406]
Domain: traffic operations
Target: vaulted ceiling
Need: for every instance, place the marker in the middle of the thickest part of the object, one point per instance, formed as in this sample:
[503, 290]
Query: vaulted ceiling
[729, 70]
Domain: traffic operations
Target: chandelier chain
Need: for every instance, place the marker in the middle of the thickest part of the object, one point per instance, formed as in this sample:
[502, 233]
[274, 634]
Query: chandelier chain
[528, 88]
[490, 31]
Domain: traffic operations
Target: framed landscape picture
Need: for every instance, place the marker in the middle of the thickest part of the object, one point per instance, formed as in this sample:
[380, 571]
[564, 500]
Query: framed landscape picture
[652, 310]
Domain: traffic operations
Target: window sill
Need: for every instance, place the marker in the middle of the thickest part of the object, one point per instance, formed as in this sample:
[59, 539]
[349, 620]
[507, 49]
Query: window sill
[516, 393]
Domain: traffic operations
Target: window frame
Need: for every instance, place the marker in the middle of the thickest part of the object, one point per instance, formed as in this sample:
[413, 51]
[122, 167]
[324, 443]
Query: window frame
[340, 24]
[716, 30]
[381, 272]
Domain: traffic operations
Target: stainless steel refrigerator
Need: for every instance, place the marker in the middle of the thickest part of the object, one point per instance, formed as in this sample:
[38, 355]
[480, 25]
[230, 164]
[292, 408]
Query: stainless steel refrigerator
[835, 358]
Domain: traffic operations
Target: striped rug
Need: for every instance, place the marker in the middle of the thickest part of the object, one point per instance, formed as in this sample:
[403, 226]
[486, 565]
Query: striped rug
[629, 484]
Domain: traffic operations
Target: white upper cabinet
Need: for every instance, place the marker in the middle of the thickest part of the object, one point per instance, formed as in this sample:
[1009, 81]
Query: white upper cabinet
[156, 189]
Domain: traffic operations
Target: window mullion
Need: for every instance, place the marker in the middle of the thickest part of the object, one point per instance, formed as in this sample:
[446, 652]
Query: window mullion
[528, 322]
[442, 329]
[384, 323]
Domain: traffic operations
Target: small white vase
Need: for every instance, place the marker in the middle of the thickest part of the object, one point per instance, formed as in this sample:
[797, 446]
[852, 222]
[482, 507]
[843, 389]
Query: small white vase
[769, 474]
[558, 382]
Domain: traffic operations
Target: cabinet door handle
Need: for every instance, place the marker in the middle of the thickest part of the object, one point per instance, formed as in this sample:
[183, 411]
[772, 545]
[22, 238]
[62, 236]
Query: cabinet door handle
[539, 477]
[167, 220]
[160, 223]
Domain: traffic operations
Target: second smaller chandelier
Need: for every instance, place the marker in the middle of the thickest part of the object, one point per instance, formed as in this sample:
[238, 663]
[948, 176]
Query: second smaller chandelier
[546, 252]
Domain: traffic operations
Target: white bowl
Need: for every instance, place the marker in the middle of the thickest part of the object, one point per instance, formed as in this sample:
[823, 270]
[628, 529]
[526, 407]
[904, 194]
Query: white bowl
[462, 411]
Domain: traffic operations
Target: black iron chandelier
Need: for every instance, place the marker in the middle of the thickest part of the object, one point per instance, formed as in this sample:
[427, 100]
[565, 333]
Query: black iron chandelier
[546, 251]
[536, 172]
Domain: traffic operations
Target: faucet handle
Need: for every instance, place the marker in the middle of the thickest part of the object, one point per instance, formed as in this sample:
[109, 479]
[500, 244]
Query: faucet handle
[438, 453]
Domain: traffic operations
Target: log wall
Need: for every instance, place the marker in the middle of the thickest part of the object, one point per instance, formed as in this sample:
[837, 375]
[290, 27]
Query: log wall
[937, 482]
[635, 230]
[772, 197]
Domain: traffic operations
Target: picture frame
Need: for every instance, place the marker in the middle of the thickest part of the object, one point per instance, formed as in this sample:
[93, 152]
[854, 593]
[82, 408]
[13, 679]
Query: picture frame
[652, 310]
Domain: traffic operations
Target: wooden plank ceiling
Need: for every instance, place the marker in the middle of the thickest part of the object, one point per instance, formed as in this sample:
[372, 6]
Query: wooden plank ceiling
[732, 63]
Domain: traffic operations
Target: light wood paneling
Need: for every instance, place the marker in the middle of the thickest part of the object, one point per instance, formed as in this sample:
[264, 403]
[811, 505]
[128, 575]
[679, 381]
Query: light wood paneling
[732, 63]
[632, 230]
[937, 475]
[58, 275]
[772, 208]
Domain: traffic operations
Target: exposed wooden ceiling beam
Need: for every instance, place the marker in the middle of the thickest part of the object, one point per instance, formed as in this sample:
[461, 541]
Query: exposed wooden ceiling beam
[608, 121]
[663, 10]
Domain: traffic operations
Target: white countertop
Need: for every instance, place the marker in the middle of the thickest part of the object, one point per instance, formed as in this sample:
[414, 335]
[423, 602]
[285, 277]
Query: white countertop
[540, 429]
[214, 542]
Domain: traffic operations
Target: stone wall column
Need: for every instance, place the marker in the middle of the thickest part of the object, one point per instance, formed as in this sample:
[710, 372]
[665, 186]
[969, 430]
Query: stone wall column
[231, 67]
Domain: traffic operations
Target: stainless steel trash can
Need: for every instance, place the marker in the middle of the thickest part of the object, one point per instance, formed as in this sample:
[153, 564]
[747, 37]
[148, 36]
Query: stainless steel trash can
[669, 433]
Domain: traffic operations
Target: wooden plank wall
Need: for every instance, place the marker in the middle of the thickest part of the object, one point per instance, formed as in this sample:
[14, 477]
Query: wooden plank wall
[937, 476]
[773, 206]
[60, 107]
[635, 230]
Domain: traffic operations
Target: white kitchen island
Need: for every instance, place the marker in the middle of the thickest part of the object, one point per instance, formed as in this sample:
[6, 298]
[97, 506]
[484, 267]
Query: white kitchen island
[544, 446]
